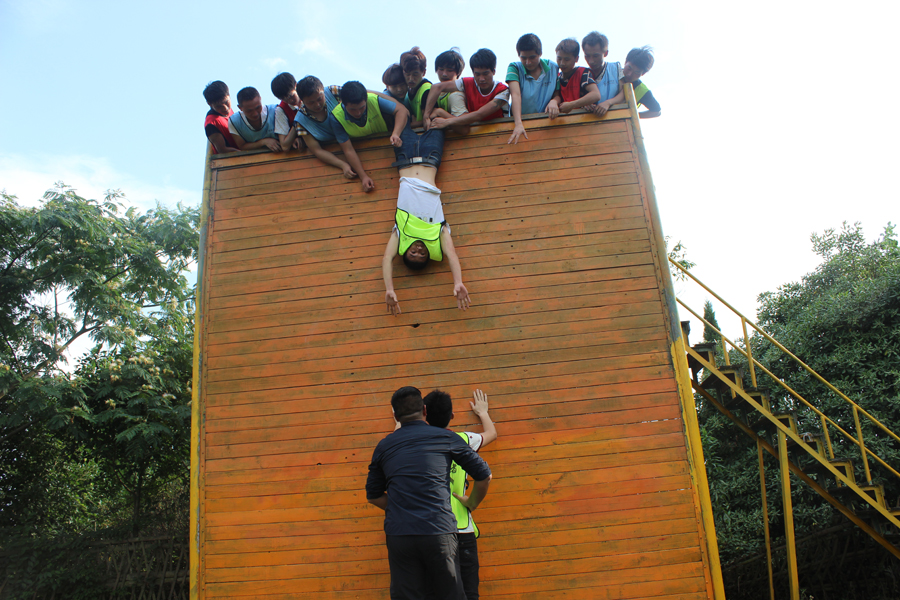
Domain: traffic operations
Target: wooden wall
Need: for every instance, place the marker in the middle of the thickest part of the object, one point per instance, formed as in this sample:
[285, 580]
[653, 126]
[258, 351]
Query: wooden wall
[592, 495]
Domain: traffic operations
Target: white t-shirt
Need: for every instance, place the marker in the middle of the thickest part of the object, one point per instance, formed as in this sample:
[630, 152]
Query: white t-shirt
[475, 441]
[457, 103]
[502, 96]
[420, 199]
[262, 115]
[282, 125]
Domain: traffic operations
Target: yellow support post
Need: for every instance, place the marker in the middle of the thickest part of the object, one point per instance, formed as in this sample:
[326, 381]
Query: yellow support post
[765, 509]
[793, 580]
[862, 446]
[749, 353]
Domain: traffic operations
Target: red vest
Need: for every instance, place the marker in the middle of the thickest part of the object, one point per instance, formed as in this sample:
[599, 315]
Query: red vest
[290, 112]
[475, 99]
[572, 90]
[221, 123]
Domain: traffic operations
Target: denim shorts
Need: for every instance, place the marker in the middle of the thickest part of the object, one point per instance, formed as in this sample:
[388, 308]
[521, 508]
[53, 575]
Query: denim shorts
[428, 145]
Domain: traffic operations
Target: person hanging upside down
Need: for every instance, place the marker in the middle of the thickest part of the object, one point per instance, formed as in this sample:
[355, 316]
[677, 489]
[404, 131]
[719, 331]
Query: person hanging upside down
[420, 231]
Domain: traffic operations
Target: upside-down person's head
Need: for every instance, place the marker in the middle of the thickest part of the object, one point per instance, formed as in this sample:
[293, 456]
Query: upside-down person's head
[484, 65]
[567, 52]
[394, 81]
[595, 47]
[449, 64]
[284, 87]
[416, 256]
[250, 103]
[414, 66]
[353, 97]
[407, 403]
[637, 63]
[216, 95]
[439, 408]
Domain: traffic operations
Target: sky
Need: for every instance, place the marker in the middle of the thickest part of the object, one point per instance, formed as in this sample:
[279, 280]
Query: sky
[772, 127]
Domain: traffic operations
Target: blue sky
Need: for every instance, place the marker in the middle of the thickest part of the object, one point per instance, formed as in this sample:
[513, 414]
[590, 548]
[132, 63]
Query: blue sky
[775, 122]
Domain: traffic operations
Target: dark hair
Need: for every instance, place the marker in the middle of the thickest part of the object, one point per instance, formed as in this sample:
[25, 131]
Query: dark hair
[440, 408]
[531, 42]
[283, 84]
[483, 59]
[406, 402]
[641, 57]
[595, 38]
[414, 264]
[215, 91]
[569, 46]
[308, 86]
[247, 94]
[451, 59]
[353, 92]
[413, 60]
[393, 75]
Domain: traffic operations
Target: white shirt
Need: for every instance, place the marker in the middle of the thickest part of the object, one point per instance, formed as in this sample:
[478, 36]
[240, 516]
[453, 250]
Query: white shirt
[420, 199]
[282, 125]
[262, 115]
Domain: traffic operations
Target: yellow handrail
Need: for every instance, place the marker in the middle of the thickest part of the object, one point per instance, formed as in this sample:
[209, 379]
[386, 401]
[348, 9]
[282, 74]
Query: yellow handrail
[859, 442]
[788, 352]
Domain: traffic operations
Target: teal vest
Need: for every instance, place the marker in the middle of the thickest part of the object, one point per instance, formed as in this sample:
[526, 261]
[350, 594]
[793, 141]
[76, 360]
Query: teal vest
[249, 135]
[609, 83]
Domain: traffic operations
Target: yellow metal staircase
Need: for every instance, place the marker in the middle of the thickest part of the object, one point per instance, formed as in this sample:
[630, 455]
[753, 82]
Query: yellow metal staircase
[809, 455]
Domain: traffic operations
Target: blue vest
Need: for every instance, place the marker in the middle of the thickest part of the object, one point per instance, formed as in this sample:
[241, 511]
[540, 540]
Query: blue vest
[266, 131]
[537, 93]
[609, 83]
[321, 131]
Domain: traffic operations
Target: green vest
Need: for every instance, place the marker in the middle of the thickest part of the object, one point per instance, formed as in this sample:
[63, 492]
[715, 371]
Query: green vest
[639, 92]
[416, 102]
[443, 101]
[412, 228]
[458, 486]
[375, 122]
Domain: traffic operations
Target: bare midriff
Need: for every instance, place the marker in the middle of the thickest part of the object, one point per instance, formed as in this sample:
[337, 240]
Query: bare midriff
[425, 173]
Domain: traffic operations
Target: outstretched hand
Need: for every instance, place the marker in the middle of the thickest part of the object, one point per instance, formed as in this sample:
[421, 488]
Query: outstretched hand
[462, 296]
[480, 405]
[517, 132]
[393, 305]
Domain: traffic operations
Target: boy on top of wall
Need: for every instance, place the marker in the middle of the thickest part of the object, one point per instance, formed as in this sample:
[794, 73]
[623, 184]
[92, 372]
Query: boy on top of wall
[606, 75]
[637, 63]
[254, 127]
[533, 82]
[414, 65]
[316, 103]
[216, 123]
[362, 113]
[284, 87]
[576, 86]
[485, 98]
[395, 84]
[420, 231]
[439, 413]
[449, 65]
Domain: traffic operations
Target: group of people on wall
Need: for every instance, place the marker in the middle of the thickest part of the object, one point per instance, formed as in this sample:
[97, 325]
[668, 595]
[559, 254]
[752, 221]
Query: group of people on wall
[417, 474]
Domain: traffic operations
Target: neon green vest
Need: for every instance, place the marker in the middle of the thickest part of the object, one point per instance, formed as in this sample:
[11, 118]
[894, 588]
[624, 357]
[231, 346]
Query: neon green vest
[458, 486]
[639, 92]
[416, 102]
[375, 122]
[443, 101]
[412, 228]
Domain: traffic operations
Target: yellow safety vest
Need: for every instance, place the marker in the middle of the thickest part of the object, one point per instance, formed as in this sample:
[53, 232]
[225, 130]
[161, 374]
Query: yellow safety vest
[375, 122]
[412, 229]
[458, 486]
[416, 102]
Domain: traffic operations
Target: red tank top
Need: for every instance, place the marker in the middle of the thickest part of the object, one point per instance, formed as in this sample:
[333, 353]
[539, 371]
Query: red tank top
[221, 123]
[572, 89]
[290, 112]
[475, 99]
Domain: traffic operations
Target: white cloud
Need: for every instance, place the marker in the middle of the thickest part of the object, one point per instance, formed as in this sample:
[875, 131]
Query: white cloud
[29, 177]
[274, 63]
[314, 46]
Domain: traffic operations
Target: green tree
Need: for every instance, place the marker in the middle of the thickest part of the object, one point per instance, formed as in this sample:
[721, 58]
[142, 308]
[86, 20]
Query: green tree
[76, 269]
[710, 336]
